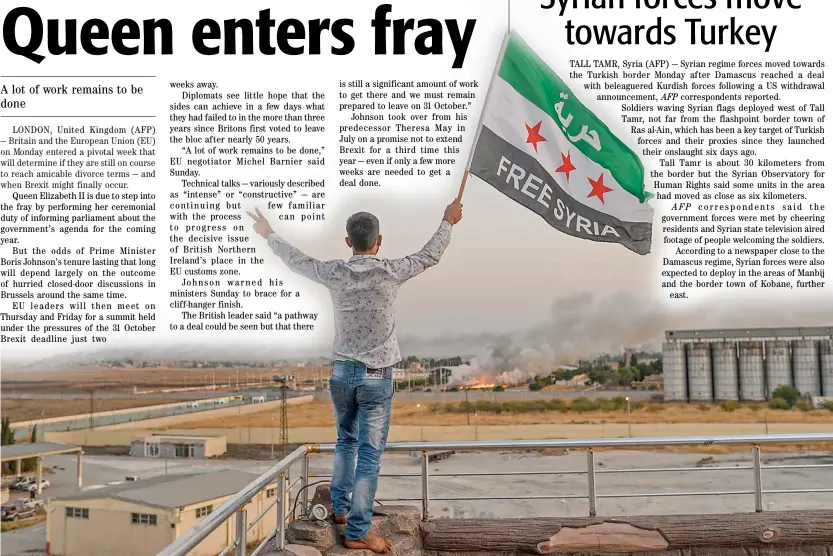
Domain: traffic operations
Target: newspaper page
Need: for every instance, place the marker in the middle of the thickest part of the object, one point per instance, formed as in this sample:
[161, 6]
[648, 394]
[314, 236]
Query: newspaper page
[589, 200]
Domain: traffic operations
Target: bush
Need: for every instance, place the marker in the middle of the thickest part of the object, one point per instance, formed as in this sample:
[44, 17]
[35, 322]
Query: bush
[498, 388]
[704, 407]
[534, 386]
[558, 405]
[619, 403]
[805, 403]
[582, 405]
[754, 407]
[788, 394]
[729, 406]
[828, 406]
[603, 404]
[486, 406]
[778, 403]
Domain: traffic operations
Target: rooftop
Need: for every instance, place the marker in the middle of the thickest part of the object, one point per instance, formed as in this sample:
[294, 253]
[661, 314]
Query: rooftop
[170, 491]
[157, 437]
[14, 452]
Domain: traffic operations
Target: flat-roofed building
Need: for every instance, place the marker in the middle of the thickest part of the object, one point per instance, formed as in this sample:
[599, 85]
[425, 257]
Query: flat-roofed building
[178, 446]
[141, 518]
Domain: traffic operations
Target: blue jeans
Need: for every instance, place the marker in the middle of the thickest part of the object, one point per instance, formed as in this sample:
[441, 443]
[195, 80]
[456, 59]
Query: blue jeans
[362, 400]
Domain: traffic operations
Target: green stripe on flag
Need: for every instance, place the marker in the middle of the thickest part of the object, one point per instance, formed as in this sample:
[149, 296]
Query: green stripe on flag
[533, 79]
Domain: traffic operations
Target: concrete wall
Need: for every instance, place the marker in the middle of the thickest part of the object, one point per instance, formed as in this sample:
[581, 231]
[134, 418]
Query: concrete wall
[209, 414]
[109, 529]
[215, 446]
[101, 414]
[223, 536]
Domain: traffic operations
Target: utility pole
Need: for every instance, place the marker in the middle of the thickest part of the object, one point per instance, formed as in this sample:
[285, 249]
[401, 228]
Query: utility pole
[284, 438]
[468, 409]
[92, 406]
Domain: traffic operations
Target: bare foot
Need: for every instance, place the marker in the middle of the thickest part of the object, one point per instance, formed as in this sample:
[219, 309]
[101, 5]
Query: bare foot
[341, 519]
[375, 543]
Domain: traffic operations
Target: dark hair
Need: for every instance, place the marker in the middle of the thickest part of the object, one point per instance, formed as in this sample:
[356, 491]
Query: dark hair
[362, 229]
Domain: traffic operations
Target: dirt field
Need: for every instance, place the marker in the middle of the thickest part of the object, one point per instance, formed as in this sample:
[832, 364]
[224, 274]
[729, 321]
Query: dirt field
[26, 410]
[320, 414]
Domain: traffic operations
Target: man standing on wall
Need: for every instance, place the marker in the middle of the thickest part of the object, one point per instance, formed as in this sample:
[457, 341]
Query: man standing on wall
[363, 290]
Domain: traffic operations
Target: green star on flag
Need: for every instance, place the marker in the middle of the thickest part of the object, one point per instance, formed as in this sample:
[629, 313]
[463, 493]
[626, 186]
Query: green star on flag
[539, 145]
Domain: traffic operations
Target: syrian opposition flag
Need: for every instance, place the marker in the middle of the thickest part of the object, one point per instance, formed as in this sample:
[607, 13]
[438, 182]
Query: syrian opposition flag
[539, 145]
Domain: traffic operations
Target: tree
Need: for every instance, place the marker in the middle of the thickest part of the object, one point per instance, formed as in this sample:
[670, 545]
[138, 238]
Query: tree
[6, 438]
[788, 394]
[31, 463]
[6, 434]
[624, 376]
[601, 375]
[565, 374]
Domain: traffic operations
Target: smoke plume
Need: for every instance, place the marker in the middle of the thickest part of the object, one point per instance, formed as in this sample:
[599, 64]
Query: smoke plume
[579, 326]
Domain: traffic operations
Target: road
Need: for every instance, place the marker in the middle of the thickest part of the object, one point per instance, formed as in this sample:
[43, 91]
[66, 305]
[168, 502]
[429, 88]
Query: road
[448, 493]
[30, 541]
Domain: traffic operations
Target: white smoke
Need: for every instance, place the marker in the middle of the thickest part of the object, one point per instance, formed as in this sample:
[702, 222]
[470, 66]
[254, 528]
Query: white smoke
[580, 326]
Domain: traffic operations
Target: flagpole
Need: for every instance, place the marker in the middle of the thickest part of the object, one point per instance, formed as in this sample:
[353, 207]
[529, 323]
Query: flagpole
[482, 112]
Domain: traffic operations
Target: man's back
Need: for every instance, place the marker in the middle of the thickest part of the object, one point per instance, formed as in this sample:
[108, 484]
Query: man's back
[363, 290]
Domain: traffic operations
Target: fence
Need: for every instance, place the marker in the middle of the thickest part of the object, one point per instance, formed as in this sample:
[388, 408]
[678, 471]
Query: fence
[279, 473]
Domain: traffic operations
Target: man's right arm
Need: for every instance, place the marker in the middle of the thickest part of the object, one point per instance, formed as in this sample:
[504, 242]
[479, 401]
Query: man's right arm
[412, 265]
[299, 262]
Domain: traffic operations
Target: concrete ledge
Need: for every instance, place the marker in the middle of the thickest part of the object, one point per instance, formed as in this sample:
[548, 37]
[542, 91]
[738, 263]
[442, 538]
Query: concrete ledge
[766, 534]
[817, 550]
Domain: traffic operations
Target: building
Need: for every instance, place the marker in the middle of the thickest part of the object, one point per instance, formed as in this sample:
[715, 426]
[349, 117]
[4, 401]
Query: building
[178, 446]
[141, 518]
[652, 382]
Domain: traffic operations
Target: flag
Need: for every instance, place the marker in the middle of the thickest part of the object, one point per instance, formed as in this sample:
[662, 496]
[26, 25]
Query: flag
[539, 145]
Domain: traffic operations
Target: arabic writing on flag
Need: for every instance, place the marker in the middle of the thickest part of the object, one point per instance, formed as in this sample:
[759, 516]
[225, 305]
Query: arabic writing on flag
[542, 147]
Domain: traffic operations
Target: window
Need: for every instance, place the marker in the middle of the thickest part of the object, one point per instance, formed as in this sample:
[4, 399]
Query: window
[270, 492]
[204, 511]
[151, 449]
[184, 450]
[81, 513]
[144, 519]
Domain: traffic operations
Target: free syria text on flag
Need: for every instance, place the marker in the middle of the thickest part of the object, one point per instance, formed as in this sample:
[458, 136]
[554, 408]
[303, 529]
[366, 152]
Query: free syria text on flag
[542, 147]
